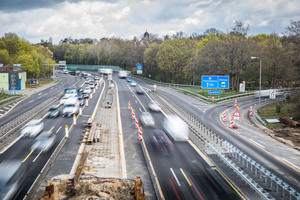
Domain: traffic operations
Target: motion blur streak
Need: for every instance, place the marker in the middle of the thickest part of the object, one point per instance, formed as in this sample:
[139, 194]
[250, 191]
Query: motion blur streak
[196, 189]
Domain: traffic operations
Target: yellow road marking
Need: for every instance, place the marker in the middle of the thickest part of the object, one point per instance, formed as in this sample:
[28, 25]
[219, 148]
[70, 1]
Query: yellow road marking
[220, 117]
[185, 177]
[51, 129]
[137, 99]
[230, 184]
[28, 155]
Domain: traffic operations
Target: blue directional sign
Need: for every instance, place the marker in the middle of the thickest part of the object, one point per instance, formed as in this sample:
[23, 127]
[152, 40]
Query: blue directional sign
[215, 82]
[139, 68]
[212, 92]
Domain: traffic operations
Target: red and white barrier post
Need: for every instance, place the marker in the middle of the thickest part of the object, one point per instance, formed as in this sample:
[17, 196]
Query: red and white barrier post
[235, 102]
[136, 123]
[140, 134]
[231, 123]
[251, 112]
[80, 111]
[74, 120]
[94, 90]
[224, 117]
[133, 115]
[128, 105]
[87, 102]
[66, 132]
[91, 95]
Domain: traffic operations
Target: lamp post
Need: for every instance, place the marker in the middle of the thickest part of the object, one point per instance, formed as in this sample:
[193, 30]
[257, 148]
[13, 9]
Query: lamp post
[253, 58]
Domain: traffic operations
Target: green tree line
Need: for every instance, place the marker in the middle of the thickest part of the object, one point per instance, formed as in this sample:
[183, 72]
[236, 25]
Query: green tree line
[34, 59]
[177, 58]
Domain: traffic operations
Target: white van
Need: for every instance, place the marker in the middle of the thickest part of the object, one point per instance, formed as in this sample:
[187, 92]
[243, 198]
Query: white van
[175, 127]
[71, 106]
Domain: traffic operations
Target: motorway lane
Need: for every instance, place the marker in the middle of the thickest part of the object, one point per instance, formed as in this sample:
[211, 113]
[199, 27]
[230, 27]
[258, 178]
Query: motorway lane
[211, 118]
[36, 160]
[38, 98]
[196, 178]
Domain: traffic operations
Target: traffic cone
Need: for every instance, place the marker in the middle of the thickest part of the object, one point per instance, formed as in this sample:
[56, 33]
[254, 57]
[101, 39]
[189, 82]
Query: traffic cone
[251, 113]
[128, 105]
[80, 111]
[136, 123]
[66, 132]
[224, 117]
[140, 134]
[91, 95]
[94, 90]
[87, 102]
[235, 102]
[231, 123]
[74, 120]
[133, 115]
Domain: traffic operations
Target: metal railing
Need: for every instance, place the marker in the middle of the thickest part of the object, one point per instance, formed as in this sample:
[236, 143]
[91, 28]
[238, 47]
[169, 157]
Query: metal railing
[215, 142]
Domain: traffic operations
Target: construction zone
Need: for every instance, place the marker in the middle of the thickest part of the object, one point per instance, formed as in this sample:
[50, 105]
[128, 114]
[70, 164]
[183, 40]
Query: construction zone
[98, 171]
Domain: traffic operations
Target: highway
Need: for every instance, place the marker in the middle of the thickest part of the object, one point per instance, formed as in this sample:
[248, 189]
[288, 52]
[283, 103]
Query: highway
[211, 116]
[33, 160]
[184, 174]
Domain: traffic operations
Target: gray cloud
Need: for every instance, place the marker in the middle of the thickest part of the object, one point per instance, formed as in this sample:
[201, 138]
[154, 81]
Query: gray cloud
[41, 19]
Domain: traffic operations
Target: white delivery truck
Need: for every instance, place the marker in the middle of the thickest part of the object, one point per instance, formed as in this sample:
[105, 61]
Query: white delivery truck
[176, 128]
[71, 106]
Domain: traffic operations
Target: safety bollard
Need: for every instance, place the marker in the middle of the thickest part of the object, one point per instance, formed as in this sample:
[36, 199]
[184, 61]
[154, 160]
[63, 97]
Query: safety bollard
[66, 132]
[80, 111]
[140, 134]
[74, 120]
[136, 123]
[87, 102]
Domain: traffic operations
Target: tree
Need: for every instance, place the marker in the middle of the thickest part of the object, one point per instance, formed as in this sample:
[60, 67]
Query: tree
[293, 28]
[150, 60]
[4, 57]
[239, 28]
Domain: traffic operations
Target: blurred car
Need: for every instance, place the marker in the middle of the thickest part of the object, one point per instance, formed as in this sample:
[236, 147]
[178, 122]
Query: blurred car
[154, 106]
[92, 84]
[81, 101]
[63, 99]
[139, 90]
[96, 78]
[87, 81]
[85, 95]
[32, 128]
[162, 142]
[147, 119]
[12, 178]
[44, 142]
[133, 84]
[87, 90]
[65, 71]
[176, 128]
[53, 111]
[129, 80]
[79, 90]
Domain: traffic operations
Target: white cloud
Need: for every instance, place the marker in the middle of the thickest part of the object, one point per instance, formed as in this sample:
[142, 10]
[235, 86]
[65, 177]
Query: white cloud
[128, 18]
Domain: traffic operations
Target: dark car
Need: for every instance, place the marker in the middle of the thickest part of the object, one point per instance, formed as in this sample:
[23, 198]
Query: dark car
[139, 90]
[53, 111]
[162, 142]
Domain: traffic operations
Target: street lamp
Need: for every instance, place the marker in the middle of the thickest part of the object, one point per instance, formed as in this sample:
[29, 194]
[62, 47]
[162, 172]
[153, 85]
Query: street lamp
[253, 58]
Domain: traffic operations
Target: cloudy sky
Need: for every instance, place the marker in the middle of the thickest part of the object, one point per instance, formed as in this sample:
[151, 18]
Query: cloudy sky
[40, 19]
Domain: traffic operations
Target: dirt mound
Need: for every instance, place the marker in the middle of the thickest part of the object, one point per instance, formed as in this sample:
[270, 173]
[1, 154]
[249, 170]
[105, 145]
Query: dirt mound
[104, 189]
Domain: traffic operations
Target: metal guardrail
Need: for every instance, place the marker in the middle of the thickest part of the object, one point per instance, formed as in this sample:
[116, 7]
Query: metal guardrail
[212, 140]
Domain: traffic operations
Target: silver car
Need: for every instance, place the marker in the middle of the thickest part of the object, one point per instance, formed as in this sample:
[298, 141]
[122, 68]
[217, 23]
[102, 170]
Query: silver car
[44, 142]
[32, 128]
[147, 119]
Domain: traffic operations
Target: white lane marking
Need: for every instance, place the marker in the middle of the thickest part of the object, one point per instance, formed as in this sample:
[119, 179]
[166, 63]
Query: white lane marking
[31, 101]
[10, 144]
[136, 101]
[257, 143]
[291, 163]
[40, 94]
[6, 108]
[140, 110]
[1, 110]
[1, 115]
[175, 177]
[10, 106]
[37, 156]
[58, 129]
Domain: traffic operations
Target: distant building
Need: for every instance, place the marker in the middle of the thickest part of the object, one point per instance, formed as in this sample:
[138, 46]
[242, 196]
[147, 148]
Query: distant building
[12, 78]
[144, 41]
